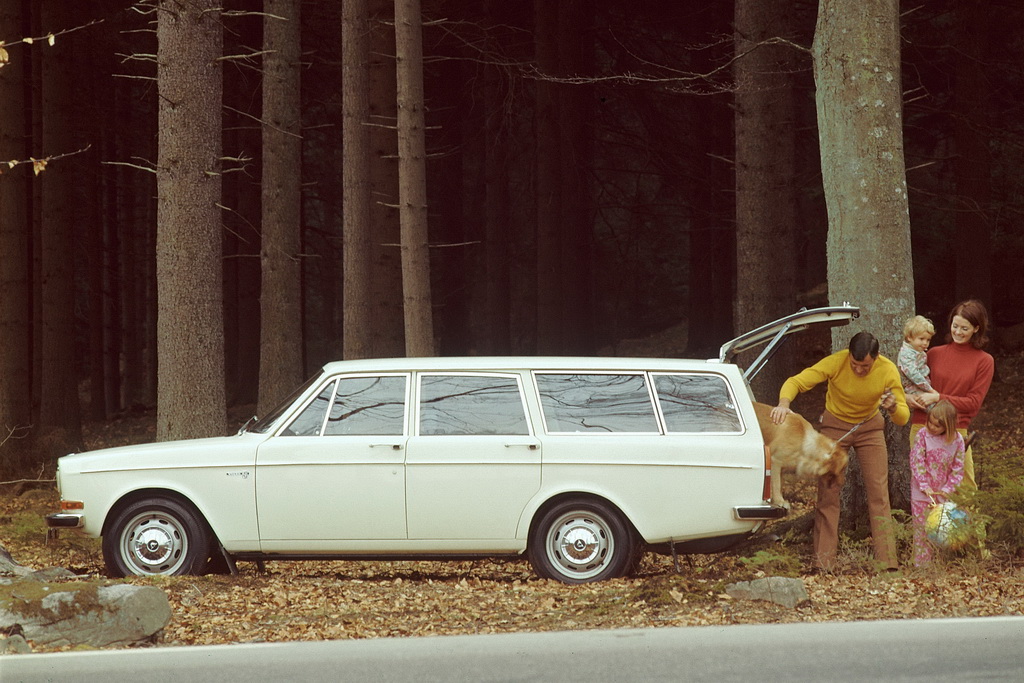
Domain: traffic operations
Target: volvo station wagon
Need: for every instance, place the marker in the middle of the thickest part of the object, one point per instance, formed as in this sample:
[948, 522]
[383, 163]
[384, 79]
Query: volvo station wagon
[578, 464]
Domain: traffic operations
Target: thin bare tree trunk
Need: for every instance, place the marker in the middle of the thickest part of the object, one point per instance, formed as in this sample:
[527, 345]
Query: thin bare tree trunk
[357, 209]
[59, 409]
[973, 161]
[386, 284]
[546, 180]
[281, 291]
[412, 172]
[15, 287]
[190, 326]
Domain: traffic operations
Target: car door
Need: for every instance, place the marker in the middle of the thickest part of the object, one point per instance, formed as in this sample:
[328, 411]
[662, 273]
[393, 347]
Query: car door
[333, 478]
[473, 463]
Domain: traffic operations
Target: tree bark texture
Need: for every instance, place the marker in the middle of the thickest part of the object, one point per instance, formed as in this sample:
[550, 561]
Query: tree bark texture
[59, 409]
[190, 332]
[547, 185]
[281, 290]
[356, 164]
[973, 165]
[766, 189]
[15, 288]
[860, 129]
[386, 280]
[412, 188]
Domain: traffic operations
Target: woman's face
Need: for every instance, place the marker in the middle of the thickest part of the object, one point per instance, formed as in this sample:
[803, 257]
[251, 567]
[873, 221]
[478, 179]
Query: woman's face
[961, 330]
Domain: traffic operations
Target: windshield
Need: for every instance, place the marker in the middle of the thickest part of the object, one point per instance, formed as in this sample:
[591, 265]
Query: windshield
[265, 423]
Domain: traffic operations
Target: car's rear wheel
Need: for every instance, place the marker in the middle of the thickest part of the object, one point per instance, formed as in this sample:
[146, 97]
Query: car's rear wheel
[156, 536]
[579, 541]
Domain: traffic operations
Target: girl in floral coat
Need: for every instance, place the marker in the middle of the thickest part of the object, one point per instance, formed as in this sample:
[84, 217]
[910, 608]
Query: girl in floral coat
[936, 468]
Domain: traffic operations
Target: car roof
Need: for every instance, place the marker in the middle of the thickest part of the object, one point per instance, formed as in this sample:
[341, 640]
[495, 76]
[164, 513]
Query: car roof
[514, 363]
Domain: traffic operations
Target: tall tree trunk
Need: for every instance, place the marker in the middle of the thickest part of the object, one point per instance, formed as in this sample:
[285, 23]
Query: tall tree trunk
[388, 318]
[281, 291]
[546, 183]
[972, 164]
[860, 129]
[190, 327]
[15, 287]
[576, 239]
[496, 313]
[412, 173]
[59, 410]
[766, 215]
[357, 209]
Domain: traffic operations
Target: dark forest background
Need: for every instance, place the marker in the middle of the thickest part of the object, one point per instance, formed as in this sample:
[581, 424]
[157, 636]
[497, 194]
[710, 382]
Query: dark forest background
[631, 103]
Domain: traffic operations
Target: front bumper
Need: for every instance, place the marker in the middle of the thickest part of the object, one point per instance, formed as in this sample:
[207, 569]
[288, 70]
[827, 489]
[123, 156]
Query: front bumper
[748, 512]
[65, 520]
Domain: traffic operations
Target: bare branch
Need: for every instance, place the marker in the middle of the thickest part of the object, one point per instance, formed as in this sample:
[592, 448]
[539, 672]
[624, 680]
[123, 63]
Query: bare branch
[261, 122]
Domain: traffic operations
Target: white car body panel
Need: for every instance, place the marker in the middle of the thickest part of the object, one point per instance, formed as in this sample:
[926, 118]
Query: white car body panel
[217, 475]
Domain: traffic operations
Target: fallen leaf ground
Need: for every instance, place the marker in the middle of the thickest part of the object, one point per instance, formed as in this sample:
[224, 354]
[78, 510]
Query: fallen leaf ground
[339, 600]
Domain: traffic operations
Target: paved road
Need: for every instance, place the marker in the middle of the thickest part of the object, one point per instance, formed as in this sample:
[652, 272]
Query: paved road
[923, 650]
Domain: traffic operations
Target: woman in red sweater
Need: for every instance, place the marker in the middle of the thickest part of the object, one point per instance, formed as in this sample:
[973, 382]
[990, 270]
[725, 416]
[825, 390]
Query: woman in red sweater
[961, 372]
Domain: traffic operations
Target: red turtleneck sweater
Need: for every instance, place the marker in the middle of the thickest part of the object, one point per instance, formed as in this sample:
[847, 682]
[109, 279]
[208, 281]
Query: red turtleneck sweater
[962, 375]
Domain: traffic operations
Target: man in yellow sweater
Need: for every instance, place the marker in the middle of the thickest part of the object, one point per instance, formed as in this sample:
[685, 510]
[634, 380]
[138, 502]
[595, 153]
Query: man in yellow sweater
[860, 384]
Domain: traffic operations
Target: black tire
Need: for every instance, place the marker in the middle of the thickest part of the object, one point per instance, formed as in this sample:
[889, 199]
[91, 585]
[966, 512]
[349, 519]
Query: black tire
[581, 541]
[156, 537]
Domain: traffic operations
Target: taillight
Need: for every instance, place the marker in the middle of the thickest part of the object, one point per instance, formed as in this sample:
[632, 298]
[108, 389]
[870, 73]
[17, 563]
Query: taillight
[766, 494]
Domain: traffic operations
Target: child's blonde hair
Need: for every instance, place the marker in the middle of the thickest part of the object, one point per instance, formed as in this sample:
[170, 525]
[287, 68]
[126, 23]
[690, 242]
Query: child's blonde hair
[945, 414]
[917, 325]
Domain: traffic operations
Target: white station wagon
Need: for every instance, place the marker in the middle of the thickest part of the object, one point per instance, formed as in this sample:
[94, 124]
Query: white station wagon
[580, 463]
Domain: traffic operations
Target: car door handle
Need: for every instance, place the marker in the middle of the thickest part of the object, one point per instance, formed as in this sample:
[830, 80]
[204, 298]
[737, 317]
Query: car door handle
[531, 446]
[392, 446]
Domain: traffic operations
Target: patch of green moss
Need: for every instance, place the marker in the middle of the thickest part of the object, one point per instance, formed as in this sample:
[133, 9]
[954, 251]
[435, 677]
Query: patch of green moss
[25, 598]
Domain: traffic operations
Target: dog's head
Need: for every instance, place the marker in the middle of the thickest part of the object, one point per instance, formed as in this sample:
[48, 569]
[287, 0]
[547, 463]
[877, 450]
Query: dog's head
[831, 460]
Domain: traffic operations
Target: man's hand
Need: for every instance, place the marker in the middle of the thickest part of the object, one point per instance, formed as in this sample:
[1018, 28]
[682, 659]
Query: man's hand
[779, 413]
[888, 402]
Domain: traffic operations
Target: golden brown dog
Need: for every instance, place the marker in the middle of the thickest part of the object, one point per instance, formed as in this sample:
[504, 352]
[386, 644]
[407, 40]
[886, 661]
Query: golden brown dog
[797, 447]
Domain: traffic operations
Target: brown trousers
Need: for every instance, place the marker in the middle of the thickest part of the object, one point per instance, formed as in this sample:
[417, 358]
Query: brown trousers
[869, 444]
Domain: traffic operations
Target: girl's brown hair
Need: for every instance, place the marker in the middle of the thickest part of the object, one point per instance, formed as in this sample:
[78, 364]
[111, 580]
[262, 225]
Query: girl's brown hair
[945, 414]
[974, 312]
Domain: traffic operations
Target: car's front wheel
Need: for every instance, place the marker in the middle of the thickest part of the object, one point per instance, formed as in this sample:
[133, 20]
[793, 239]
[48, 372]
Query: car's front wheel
[579, 541]
[156, 536]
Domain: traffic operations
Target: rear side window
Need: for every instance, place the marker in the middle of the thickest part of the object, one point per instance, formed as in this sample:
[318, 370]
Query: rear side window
[696, 403]
[471, 404]
[596, 403]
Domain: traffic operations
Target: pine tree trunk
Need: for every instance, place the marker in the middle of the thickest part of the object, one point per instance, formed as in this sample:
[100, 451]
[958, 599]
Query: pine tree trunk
[766, 214]
[412, 172]
[59, 409]
[860, 128]
[190, 333]
[576, 238]
[388, 318]
[357, 209]
[496, 315]
[972, 165]
[548, 187]
[15, 292]
[281, 292]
